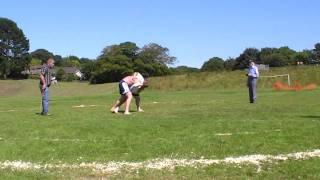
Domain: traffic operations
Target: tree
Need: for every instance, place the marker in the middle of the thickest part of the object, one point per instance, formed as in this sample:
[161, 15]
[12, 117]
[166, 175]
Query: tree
[42, 55]
[184, 70]
[229, 64]
[14, 47]
[277, 57]
[72, 61]
[129, 49]
[157, 53]
[114, 63]
[151, 68]
[275, 60]
[305, 56]
[249, 54]
[84, 60]
[316, 51]
[109, 73]
[88, 69]
[214, 64]
[288, 55]
[117, 61]
[58, 60]
[153, 60]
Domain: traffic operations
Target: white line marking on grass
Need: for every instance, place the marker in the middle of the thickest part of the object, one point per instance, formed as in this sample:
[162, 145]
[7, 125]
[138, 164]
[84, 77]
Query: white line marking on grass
[223, 134]
[86, 106]
[159, 164]
[11, 110]
[247, 133]
[54, 139]
[80, 106]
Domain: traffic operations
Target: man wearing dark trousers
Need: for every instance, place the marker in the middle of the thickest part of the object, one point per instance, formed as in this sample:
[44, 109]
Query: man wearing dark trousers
[253, 75]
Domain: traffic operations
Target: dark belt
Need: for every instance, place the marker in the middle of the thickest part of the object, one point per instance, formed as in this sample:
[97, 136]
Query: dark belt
[251, 77]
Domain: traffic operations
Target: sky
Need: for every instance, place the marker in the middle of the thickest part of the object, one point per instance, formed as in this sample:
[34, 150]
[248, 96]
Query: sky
[193, 30]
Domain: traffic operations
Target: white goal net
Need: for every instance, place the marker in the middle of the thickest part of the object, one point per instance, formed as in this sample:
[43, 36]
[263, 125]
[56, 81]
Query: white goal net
[281, 75]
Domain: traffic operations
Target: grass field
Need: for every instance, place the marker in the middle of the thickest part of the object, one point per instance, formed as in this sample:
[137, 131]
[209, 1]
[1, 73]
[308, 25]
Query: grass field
[192, 124]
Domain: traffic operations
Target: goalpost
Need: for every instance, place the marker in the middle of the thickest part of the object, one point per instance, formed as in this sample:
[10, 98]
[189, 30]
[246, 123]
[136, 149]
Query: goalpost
[281, 75]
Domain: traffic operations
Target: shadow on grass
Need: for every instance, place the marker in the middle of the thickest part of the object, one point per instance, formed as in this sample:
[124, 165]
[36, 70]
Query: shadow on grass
[122, 111]
[311, 117]
[39, 114]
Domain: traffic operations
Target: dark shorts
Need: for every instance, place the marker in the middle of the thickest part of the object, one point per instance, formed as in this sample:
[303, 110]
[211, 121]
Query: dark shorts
[123, 88]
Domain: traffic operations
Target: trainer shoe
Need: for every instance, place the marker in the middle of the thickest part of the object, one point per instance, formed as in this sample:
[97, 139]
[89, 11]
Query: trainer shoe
[127, 113]
[45, 114]
[114, 110]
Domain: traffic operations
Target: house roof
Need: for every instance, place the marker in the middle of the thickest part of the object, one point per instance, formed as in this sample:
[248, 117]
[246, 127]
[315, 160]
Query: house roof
[68, 70]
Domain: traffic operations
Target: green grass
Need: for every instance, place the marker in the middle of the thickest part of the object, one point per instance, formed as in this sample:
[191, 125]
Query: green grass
[182, 124]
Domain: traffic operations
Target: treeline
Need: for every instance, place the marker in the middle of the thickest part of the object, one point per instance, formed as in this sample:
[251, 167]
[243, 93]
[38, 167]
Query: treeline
[274, 57]
[114, 62]
[111, 65]
[118, 60]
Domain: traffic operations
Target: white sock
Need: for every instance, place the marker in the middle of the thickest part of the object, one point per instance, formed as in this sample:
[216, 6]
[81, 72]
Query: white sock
[116, 110]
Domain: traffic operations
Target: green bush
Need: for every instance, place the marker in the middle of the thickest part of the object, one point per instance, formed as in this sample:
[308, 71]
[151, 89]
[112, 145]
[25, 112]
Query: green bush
[61, 75]
[70, 78]
[214, 64]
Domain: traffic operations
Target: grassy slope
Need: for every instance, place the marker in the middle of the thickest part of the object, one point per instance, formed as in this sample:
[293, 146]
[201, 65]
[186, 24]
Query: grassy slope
[235, 79]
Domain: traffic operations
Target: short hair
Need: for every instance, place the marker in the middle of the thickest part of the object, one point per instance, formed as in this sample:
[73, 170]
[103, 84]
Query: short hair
[50, 59]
